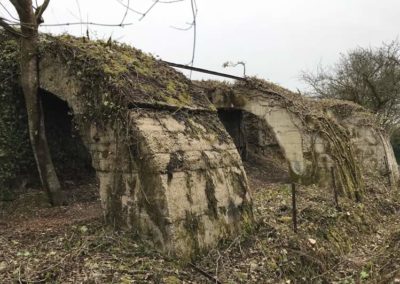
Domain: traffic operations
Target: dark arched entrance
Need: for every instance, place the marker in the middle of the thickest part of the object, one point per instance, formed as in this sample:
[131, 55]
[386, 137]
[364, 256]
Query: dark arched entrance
[71, 158]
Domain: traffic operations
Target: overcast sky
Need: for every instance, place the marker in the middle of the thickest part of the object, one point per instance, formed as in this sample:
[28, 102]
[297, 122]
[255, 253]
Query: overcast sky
[277, 39]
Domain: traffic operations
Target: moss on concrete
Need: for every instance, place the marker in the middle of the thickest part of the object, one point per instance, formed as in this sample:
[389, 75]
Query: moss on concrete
[116, 76]
[315, 117]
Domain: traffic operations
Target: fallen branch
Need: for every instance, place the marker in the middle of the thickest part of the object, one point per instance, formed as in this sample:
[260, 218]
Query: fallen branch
[205, 273]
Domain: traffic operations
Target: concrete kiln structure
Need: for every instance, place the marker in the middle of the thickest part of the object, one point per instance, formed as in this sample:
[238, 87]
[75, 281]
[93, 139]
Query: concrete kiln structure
[167, 168]
[313, 135]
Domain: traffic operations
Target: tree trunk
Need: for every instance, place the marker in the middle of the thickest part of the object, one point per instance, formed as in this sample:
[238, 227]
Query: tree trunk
[30, 85]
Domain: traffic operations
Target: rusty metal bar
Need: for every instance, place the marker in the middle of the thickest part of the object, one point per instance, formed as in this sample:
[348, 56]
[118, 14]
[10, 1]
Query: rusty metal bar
[203, 70]
[294, 207]
[335, 190]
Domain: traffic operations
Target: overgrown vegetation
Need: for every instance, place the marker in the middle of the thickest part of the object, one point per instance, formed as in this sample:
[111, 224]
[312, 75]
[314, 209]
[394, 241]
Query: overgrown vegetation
[113, 78]
[17, 164]
[356, 244]
[315, 122]
[367, 76]
[15, 151]
[332, 245]
[116, 77]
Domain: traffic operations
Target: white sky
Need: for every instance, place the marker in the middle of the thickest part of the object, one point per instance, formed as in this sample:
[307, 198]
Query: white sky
[277, 39]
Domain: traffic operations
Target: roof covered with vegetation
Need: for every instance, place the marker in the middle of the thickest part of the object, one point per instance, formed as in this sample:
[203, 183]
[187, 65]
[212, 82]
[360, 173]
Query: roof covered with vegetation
[117, 74]
[315, 116]
[295, 102]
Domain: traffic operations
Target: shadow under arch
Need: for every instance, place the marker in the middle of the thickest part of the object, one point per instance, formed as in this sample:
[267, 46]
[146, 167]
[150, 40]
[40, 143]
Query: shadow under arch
[257, 145]
[71, 157]
[284, 125]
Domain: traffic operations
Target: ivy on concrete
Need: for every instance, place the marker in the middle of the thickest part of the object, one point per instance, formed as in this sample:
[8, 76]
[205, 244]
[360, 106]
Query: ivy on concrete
[15, 151]
[315, 119]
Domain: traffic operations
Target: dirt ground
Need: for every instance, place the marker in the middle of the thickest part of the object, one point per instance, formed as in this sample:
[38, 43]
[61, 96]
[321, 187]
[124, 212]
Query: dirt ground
[360, 243]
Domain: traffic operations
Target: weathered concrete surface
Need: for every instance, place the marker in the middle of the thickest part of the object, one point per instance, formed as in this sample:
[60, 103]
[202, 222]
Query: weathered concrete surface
[370, 142]
[174, 177]
[175, 181]
[285, 126]
[260, 138]
[314, 136]
[168, 169]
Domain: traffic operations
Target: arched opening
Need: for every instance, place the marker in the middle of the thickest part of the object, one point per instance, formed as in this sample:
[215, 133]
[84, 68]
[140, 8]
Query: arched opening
[71, 158]
[260, 151]
[264, 151]
[232, 119]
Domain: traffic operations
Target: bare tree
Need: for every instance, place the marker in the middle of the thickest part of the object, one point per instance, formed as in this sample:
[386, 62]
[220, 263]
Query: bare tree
[369, 77]
[30, 18]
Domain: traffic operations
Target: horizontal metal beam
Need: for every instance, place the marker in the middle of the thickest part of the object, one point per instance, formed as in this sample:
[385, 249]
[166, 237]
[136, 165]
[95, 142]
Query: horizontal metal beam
[204, 71]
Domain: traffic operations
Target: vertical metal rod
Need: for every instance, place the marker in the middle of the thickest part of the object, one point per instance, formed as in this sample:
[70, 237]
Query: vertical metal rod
[335, 192]
[389, 172]
[294, 208]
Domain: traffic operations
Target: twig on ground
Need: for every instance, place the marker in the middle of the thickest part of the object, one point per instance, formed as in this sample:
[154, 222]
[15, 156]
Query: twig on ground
[204, 273]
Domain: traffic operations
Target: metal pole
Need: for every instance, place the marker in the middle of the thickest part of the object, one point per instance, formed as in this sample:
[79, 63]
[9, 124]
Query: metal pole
[294, 208]
[204, 70]
[335, 193]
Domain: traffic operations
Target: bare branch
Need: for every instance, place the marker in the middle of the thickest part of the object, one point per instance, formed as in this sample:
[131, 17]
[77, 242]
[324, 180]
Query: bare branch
[194, 13]
[126, 12]
[144, 14]
[71, 24]
[8, 12]
[367, 76]
[80, 13]
[170, 2]
[40, 10]
[88, 23]
[149, 9]
[8, 28]
[190, 26]
[17, 5]
[129, 8]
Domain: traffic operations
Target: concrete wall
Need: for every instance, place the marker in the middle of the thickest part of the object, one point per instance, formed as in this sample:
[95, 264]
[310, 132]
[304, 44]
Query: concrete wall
[313, 138]
[183, 191]
[259, 136]
[174, 177]
[285, 126]
[370, 143]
